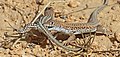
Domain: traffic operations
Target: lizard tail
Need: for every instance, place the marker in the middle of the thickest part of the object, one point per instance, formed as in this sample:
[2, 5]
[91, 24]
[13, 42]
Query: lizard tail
[93, 17]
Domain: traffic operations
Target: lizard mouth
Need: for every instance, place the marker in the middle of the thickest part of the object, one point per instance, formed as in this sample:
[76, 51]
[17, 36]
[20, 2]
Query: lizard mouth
[50, 26]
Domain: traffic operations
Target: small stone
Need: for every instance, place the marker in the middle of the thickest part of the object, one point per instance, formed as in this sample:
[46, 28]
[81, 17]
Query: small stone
[71, 18]
[42, 1]
[117, 36]
[113, 8]
[116, 44]
[73, 3]
[7, 51]
[58, 12]
[102, 43]
[24, 44]
[39, 1]
[118, 1]
[28, 50]
[2, 50]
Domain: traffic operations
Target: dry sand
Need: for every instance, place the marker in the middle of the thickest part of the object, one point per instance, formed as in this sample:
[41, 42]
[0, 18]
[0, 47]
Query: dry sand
[20, 12]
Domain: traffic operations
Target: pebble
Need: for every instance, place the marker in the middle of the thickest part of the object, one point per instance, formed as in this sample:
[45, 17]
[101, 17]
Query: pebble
[28, 50]
[113, 8]
[118, 1]
[2, 49]
[117, 36]
[39, 1]
[73, 3]
[71, 18]
[102, 43]
[42, 1]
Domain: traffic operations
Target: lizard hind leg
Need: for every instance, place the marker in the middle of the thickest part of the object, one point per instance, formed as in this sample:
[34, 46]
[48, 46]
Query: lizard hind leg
[71, 38]
[90, 40]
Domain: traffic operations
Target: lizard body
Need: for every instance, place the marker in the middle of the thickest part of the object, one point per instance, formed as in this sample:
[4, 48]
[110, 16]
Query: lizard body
[77, 28]
[67, 27]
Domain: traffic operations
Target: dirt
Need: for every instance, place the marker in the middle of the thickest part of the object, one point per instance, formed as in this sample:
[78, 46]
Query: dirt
[17, 13]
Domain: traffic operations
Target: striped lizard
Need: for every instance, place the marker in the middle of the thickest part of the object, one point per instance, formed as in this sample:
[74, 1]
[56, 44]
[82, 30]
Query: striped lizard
[92, 25]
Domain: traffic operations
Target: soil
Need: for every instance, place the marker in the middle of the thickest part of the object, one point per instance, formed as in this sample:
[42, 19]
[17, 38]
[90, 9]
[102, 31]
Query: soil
[17, 13]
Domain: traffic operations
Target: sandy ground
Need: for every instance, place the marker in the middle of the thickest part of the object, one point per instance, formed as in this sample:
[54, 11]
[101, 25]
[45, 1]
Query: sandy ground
[20, 12]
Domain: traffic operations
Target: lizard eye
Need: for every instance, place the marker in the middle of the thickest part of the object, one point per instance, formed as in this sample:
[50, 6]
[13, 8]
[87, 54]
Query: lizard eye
[51, 23]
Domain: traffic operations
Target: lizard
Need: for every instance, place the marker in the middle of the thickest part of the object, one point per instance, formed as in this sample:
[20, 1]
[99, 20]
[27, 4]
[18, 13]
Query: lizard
[92, 25]
[75, 28]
